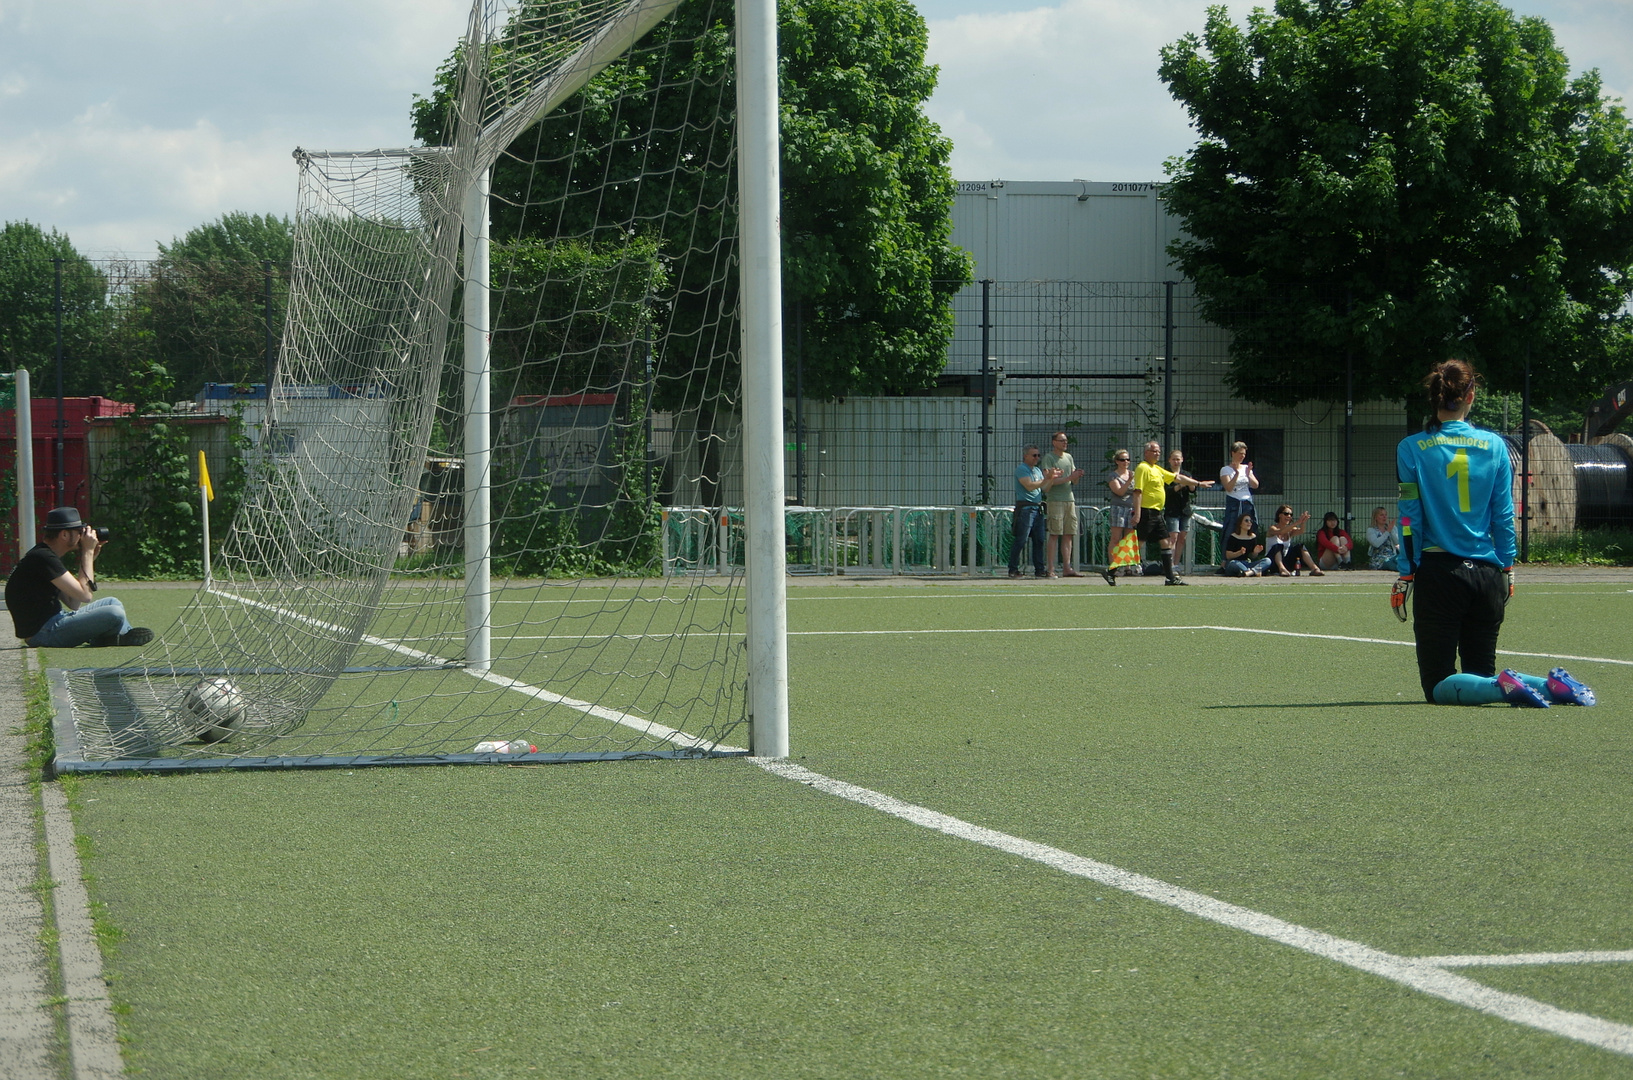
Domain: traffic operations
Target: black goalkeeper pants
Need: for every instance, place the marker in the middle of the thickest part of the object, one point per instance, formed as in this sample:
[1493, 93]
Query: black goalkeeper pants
[1457, 609]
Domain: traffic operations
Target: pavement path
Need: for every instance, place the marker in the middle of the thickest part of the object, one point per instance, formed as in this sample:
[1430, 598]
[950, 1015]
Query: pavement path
[32, 1044]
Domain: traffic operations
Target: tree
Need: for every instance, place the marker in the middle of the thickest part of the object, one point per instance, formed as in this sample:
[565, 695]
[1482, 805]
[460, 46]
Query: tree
[867, 194]
[29, 260]
[203, 313]
[1397, 181]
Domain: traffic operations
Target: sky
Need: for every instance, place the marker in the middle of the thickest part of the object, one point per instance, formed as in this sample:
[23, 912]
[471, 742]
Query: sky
[125, 123]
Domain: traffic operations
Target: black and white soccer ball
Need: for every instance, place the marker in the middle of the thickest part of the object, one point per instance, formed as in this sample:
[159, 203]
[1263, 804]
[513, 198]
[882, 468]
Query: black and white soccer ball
[214, 709]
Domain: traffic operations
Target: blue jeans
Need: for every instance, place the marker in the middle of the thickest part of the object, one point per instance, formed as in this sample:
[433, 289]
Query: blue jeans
[97, 619]
[1240, 567]
[1028, 525]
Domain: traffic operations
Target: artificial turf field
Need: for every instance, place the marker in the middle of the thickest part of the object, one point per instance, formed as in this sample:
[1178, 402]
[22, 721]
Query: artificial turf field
[710, 919]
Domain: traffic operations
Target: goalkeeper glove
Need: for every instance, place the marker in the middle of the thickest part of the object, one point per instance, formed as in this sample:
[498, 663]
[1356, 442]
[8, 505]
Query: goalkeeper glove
[1508, 579]
[1399, 595]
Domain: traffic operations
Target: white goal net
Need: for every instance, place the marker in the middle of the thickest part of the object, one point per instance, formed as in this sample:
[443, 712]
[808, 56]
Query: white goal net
[450, 546]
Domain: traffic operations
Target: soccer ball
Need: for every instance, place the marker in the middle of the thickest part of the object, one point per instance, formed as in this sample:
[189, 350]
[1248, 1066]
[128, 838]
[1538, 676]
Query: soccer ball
[215, 709]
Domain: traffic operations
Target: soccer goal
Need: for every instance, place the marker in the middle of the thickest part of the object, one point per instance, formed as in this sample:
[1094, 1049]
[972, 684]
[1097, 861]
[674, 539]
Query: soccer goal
[504, 351]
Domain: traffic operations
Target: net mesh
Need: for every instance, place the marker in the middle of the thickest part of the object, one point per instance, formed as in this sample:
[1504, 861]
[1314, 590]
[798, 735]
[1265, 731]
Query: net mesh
[337, 620]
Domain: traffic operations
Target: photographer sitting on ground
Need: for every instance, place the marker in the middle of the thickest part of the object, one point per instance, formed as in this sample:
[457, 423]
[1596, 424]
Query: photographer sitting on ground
[40, 587]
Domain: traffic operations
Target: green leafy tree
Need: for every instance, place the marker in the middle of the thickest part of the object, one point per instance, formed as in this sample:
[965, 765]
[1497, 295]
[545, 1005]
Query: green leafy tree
[203, 312]
[867, 194]
[1397, 181]
[28, 319]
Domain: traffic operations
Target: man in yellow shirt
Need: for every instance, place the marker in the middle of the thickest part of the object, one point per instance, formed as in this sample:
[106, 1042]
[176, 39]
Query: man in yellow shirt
[1149, 501]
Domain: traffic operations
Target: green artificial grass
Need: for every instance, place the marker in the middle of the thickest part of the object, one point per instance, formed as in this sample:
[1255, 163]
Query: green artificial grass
[707, 919]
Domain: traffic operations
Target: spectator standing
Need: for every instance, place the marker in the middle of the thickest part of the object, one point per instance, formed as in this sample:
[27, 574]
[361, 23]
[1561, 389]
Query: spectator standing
[1179, 496]
[1059, 506]
[1240, 483]
[1150, 503]
[1332, 544]
[1029, 525]
[1120, 480]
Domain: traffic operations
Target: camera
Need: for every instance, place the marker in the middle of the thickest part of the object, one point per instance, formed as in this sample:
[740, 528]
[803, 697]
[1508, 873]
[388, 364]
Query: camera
[103, 535]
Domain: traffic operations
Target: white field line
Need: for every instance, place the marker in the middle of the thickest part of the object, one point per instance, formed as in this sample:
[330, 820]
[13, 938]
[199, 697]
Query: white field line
[1058, 630]
[1527, 959]
[1077, 593]
[1417, 974]
[650, 728]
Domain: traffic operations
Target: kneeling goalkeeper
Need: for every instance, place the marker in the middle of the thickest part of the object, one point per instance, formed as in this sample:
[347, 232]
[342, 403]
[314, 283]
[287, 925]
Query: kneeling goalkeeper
[1457, 531]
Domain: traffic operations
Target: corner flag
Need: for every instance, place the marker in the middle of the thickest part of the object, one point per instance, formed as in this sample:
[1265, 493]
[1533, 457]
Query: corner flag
[204, 478]
[1127, 552]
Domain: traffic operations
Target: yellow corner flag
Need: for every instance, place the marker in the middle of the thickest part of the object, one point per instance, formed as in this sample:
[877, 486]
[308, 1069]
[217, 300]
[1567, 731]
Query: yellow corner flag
[1127, 552]
[204, 478]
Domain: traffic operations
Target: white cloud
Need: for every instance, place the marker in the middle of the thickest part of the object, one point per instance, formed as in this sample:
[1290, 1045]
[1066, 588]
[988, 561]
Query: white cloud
[1064, 92]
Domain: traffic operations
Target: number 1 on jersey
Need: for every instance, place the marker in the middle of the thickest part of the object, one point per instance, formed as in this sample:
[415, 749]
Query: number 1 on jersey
[1459, 467]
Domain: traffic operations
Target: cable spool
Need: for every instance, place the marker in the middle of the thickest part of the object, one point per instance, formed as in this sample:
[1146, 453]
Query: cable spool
[1553, 496]
[1604, 495]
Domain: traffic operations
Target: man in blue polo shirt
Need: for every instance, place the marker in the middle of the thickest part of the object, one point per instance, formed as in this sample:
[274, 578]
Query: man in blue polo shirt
[1029, 484]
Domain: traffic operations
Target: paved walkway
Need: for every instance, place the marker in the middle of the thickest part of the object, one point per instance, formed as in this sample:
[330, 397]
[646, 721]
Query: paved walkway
[32, 1046]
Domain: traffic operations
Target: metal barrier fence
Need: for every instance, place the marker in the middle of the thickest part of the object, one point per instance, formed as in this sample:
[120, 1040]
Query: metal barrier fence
[918, 541]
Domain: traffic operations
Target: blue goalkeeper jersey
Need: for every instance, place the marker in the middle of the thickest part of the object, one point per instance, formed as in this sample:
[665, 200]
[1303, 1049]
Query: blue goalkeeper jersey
[1456, 495]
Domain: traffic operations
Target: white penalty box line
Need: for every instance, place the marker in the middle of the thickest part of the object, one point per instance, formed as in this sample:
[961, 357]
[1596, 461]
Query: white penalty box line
[646, 727]
[1427, 975]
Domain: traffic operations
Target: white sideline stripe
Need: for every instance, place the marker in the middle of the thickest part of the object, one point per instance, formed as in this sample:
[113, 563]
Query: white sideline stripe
[1054, 630]
[1414, 973]
[646, 727]
[1526, 959]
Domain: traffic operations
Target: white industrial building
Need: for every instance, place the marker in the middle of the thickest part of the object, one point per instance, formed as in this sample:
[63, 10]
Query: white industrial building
[1074, 276]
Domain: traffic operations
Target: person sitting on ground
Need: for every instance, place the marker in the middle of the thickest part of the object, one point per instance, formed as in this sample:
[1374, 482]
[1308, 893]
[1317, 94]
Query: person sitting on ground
[1332, 544]
[1244, 550]
[40, 587]
[1383, 547]
[1286, 552]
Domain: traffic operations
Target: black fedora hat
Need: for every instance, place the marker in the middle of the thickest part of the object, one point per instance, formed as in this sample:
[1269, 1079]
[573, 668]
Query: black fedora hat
[63, 517]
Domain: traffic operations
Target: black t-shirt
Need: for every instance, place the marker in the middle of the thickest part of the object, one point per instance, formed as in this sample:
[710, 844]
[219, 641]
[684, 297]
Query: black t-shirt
[1179, 500]
[1241, 547]
[30, 596]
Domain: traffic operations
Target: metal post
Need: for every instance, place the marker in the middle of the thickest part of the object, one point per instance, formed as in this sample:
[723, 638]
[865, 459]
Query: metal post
[1168, 368]
[57, 451]
[1349, 429]
[763, 464]
[25, 464]
[986, 376]
[478, 557]
[1526, 492]
[271, 361]
[799, 403]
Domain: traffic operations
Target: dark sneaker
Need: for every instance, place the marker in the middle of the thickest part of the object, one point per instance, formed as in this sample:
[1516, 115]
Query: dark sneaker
[1110, 575]
[1568, 691]
[1516, 691]
[104, 641]
[1175, 581]
[1016, 574]
[136, 635]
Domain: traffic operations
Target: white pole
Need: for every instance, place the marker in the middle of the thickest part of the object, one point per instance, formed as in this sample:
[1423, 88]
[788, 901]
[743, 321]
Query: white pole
[761, 272]
[25, 464]
[204, 516]
[478, 558]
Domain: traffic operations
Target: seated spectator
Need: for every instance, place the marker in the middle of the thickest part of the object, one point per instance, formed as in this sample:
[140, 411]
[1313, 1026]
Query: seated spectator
[1383, 547]
[1287, 554]
[1244, 550]
[1332, 544]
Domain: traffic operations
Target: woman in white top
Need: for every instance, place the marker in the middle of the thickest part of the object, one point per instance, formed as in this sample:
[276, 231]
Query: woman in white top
[1239, 483]
[1384, 548]
[1286, 553]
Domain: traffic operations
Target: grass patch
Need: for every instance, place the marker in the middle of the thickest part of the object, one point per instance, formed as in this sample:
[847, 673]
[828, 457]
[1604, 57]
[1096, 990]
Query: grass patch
[705, 919]
[1585, 547]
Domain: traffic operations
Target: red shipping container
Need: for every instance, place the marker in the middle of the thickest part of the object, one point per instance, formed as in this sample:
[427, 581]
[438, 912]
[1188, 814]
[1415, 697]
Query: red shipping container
[76, 411]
